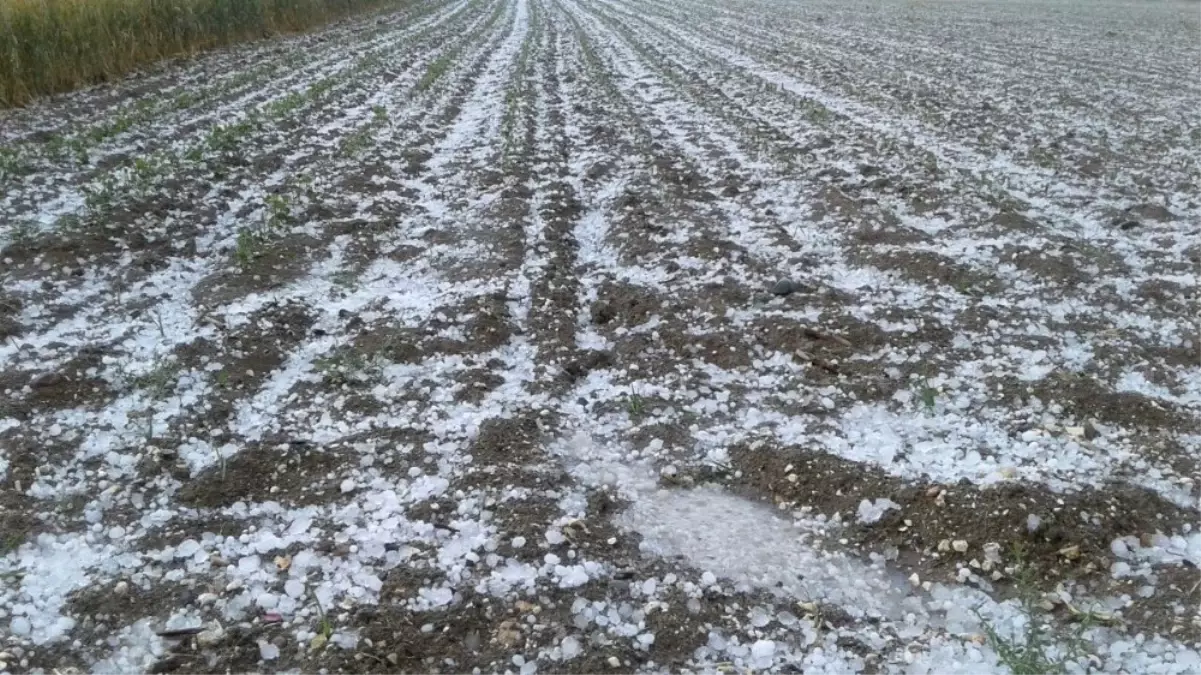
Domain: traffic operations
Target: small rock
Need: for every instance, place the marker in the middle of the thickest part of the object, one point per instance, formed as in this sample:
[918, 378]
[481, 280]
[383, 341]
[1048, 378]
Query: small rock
[210, 636]
[784, 287]
[180, 632]
[1154, 212]
[960, 545]
[48, 380]
[614, 662]
[915, 579]
[167, 664]
[992, 552]
[508, 634]
[1091, 432]
[1070, 552]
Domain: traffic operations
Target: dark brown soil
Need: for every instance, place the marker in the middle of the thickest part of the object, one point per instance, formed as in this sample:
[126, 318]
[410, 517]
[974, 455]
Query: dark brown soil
[1083, 397]
[272, 266]
[75, 383]
[1082, 523]
[931, 268]
[296, 474]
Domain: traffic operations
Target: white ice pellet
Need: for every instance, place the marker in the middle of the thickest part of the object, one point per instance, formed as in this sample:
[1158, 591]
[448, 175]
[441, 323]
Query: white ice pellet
[187, 548]
[268, 651]
[571, 576]
[570, 647]
[869, 512]
[1119, 548]
[763, 653]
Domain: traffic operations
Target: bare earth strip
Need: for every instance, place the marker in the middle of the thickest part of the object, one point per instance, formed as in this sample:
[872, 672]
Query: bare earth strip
[613, 335]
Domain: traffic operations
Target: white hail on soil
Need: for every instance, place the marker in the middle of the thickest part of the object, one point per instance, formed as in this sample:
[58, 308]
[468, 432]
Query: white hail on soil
[644, 88]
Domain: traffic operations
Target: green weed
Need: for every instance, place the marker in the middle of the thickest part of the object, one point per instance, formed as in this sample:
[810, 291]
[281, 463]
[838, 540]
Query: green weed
[102, 195]
[146, 171]
[344, 277]
[927, 395]
[317, 89]
[12, 164]
[325, 627]
[160, 381]
[435, 71]
[281, 107]
[818, 112]
[186, 100]
[635, 405]
[1027, 656]
[1043, 648]
[346, 367]
[357, 142]
[24, 230]
[226, 137]
[247, 246]
[11, 542]
[279, 212]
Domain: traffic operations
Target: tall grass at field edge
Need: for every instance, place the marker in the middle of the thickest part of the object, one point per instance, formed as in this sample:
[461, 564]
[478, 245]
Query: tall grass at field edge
[51, 46]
